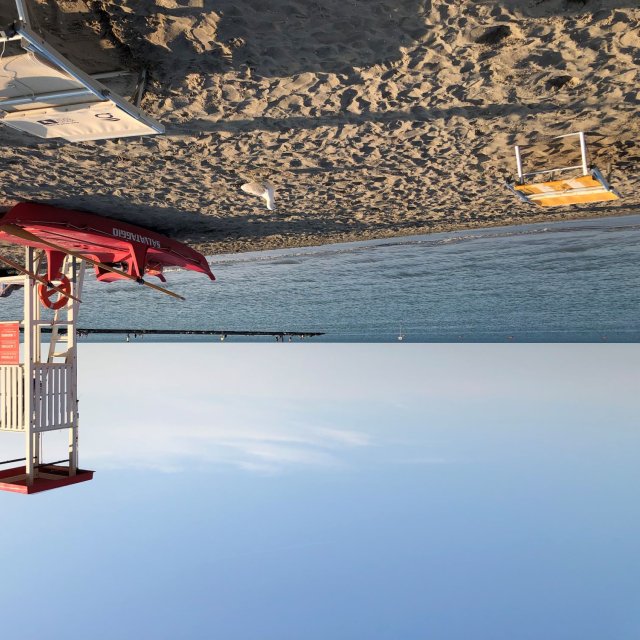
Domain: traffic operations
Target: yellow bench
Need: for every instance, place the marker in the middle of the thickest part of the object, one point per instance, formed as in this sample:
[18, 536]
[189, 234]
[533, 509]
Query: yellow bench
[591, 186]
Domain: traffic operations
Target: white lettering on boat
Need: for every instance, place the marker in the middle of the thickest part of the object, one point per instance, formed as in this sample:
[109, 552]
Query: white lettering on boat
[135, 237]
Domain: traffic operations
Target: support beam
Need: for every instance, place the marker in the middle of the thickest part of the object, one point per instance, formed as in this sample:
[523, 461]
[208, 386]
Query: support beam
[23, 12]
[583, 153]
[28, 358]
[519, 164]
[44, 97]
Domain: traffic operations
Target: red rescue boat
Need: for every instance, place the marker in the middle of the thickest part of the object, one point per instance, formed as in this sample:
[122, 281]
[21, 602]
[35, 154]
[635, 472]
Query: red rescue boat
[139, 251]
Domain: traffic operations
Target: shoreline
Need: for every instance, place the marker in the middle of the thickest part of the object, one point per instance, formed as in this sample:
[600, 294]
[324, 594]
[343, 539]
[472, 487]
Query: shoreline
[249, 244]
[280, 241]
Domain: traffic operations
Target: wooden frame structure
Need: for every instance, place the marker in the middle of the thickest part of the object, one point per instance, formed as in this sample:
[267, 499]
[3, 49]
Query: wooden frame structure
[38, 394]
[589, 187]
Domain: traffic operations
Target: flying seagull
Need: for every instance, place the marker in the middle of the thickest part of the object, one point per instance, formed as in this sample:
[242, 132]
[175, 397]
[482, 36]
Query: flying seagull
[263, 189]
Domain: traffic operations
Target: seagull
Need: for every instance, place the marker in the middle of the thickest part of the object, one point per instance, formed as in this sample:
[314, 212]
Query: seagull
[263, 189]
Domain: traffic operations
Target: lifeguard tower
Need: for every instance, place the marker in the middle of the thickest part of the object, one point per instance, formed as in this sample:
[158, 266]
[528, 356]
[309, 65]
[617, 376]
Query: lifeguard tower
[38, 383]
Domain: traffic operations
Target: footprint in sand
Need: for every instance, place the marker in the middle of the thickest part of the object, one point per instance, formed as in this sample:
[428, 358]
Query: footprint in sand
[492, 35]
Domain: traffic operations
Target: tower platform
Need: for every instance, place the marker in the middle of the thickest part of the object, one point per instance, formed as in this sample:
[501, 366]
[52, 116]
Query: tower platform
[49, 477]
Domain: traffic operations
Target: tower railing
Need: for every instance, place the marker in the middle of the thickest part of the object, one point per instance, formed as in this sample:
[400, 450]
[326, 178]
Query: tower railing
[54, 401]
[12, 398]
[38, 382]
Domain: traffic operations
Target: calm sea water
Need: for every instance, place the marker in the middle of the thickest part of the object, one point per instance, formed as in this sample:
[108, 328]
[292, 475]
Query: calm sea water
[560, 282]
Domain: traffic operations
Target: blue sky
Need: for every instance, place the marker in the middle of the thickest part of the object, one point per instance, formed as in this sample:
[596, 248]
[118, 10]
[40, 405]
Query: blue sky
[344, 491]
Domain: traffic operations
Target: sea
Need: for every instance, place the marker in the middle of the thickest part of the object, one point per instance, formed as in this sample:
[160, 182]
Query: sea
[571, 281]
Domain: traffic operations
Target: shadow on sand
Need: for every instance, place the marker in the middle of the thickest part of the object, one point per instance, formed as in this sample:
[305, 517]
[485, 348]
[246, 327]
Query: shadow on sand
[546, 8]
[275, 38]
[278, 38]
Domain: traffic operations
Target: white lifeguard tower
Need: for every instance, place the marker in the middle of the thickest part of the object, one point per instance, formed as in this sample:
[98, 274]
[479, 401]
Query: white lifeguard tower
[38, 383]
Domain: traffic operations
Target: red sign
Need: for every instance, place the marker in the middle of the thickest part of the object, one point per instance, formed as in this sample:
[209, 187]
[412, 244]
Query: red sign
[9, 343]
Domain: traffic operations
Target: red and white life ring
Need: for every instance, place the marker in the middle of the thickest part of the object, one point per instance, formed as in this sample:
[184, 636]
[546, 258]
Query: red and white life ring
[46, 294]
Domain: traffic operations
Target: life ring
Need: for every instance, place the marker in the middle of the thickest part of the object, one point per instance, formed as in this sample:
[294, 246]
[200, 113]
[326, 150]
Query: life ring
[46, 294]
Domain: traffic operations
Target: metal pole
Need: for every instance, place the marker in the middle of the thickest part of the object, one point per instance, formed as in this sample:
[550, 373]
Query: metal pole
[23, 12]
[519, 164]
[583, 152]
[45, 97]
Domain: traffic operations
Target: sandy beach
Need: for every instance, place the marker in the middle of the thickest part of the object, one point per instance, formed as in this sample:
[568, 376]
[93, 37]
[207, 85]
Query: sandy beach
[372, 118]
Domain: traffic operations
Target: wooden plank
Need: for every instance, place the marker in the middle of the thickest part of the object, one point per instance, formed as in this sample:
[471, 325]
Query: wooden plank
[58, 415]
[56, 404]
[59, 387]
[37, 395]
[67, 386]
[49, 394]
[555, 201]
[21, 425]
[12, 403]
[6, 394]
[3, 398]
[53, 396]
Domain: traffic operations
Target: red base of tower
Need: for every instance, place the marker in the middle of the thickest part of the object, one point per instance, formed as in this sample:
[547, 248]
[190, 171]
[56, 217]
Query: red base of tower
[49, 477]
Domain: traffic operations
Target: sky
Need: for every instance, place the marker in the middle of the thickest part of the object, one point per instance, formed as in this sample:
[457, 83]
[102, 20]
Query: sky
[280, 491]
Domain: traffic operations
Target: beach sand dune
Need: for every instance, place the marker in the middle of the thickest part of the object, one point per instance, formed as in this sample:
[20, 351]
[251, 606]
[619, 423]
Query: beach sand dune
[371, 117]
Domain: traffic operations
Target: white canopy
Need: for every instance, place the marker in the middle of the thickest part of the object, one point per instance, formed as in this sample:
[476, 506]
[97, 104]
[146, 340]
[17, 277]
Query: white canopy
[28, 76]
[78, 122]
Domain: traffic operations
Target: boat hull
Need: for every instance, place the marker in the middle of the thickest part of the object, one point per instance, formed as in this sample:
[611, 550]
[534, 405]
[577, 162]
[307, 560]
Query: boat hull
[106, 240]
